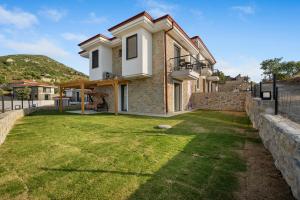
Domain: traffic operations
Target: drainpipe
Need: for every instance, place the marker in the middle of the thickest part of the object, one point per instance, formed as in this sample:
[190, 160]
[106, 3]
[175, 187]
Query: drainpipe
[166, 68]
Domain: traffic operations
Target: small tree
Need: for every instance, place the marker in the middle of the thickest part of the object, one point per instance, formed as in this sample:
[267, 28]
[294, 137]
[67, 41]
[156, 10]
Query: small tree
[284, 70]
[23, 93]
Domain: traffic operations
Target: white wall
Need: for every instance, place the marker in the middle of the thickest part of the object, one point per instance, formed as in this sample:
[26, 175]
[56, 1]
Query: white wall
[143, 63]
[105, 62]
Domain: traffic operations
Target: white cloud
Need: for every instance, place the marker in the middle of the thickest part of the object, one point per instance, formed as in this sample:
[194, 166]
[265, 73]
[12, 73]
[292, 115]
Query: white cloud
[53, 14]
[242, 65]
[158, 8]
[41, 46]
[245, 10]
[18, 18]
[74, 37]
[93, 19]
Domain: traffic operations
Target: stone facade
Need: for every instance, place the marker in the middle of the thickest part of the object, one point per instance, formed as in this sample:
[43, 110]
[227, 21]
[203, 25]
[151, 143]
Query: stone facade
[281, 137]
[233, 101]
[144, 95]
[188, 86]
[147, 95]
[117, 60]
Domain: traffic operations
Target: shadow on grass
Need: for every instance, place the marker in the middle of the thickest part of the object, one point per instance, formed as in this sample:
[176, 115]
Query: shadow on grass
[95, 171]
[206, 168]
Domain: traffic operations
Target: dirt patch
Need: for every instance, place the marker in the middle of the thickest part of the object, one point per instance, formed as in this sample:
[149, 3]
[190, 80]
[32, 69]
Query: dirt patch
[261, 180]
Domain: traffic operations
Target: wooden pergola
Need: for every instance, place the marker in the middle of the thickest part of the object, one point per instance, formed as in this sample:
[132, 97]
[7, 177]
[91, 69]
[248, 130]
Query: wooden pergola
[83, 84]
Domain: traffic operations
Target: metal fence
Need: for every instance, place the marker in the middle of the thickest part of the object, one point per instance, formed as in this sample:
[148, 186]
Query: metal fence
[285, 94]
[7, 104]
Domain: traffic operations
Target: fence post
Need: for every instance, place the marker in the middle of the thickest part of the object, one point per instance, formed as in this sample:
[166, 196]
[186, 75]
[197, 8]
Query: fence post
[276, 100]
[12, 102]
[274, 86]
[2, 99]
[260, 92]
[22, 102]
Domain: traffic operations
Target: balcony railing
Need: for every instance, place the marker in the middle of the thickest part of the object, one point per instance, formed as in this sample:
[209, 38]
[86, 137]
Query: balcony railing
[187, 62]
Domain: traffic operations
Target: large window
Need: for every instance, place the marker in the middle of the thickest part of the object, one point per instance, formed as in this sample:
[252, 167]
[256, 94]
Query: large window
[95, 59]
[131, 47]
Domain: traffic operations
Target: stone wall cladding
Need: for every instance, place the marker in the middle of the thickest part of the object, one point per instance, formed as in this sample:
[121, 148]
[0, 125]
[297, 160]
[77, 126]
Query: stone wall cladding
[8, 119]
[280, 136]
[147, 95]
[232, 101]
[110, 98]
[185, 95]
[116, 61]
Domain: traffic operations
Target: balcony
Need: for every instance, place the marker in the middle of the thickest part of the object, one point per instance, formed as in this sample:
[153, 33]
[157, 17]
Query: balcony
[213, 78]
[206, 71]
[188, 67]
[185, 67]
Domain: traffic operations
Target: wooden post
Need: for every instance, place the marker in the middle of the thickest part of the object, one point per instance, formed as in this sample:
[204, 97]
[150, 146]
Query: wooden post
[60, 99]
[82, 97]
[2, 99]
[116, 92]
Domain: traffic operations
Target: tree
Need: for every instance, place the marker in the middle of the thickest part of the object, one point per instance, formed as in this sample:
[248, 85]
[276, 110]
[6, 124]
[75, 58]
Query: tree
[23, 93]
[221, 75]
[283, 70]
[270, 67]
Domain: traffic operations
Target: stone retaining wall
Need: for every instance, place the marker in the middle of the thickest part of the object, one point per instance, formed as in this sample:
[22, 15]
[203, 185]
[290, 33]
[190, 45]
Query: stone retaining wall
[281, 137]
[232, 101]
[8, 119]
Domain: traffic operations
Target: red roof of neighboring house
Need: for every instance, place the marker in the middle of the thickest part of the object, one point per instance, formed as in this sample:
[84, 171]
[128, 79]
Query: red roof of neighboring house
[144, 13]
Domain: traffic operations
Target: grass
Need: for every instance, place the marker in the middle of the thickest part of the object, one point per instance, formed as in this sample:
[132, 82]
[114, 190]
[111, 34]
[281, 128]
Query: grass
[63, 156]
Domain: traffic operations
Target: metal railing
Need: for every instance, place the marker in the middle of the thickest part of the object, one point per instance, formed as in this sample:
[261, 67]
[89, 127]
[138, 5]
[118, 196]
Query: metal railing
[286, 97]
[188, 62]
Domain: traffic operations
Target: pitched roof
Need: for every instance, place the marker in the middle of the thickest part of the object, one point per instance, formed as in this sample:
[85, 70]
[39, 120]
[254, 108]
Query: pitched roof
[147, 15]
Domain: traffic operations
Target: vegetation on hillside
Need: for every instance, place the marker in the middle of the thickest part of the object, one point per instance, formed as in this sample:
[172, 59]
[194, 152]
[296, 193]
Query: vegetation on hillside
[37, 67]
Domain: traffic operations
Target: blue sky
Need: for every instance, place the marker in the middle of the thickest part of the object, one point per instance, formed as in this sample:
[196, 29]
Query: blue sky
[240, 34]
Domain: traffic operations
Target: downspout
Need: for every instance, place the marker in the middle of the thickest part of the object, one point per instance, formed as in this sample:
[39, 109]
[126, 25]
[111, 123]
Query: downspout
[166, 68]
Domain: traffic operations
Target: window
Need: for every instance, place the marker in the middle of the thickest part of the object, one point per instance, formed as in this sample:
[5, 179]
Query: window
[46, 90]
[46, 97]
[120, 52]
[95, 59]
[131, 47]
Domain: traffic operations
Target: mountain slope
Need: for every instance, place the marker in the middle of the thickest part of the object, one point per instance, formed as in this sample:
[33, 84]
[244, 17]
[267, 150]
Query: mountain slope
[37, 67]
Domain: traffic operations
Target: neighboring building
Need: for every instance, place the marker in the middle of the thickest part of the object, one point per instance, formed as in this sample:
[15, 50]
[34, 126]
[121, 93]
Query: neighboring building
[74, 96]
[163, 64]
[235, 84]
[39, 91]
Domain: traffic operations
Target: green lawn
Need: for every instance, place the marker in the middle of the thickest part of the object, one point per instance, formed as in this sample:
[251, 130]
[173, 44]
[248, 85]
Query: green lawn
[63, 156]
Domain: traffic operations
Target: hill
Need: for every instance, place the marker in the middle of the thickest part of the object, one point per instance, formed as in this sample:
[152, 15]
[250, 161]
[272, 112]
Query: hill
[37, 67]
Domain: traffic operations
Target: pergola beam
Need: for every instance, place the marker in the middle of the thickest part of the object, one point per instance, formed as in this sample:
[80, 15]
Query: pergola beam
[82, 84]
